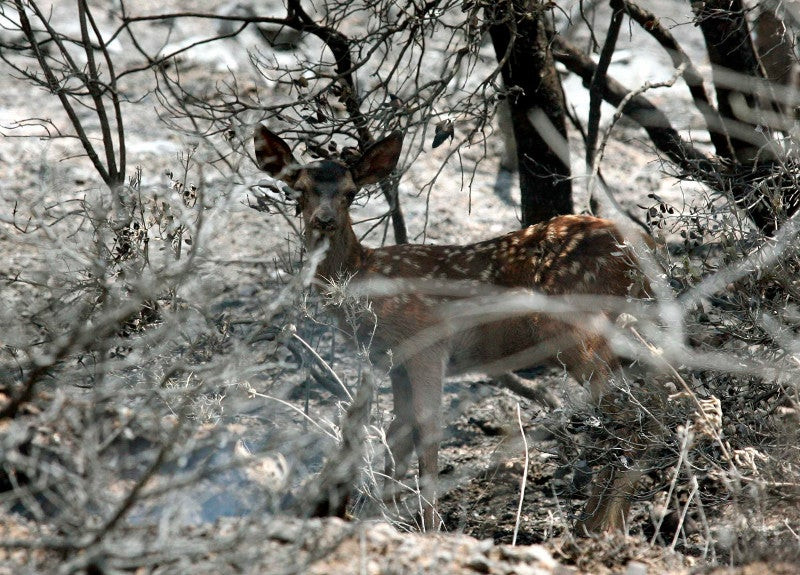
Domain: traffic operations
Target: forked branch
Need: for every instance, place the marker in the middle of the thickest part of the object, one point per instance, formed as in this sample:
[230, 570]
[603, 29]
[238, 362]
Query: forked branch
[664, 136]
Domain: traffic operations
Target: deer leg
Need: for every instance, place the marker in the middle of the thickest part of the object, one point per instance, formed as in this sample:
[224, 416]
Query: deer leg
[608, 506]
[592, 361]
[400, 435]
[426, 374]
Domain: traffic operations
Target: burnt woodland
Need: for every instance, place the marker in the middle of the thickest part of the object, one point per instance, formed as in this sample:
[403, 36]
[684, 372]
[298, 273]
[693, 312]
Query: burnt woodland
[180, 391]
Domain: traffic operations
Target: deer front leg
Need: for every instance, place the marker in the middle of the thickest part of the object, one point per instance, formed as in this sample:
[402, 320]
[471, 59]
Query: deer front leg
[426, 375]
[400, 435]
[615, 486]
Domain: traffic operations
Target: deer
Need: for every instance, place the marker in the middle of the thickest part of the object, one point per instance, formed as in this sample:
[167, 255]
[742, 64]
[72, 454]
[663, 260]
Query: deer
[567, 255]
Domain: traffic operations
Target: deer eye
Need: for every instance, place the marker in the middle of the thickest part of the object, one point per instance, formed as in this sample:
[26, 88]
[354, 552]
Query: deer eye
[306, 191]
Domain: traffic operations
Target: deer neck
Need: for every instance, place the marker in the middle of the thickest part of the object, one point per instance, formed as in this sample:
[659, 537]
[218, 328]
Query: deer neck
[344, 256]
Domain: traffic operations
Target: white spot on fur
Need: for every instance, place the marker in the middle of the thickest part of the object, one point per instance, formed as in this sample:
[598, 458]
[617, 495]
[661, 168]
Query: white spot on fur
[574, 242]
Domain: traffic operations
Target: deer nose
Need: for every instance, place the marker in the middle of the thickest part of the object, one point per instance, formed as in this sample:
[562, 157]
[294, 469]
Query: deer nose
[324, 221]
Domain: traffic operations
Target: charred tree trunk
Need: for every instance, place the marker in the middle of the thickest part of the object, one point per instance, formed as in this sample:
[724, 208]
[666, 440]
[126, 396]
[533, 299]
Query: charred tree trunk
[730, 49]
[536, 102]
[774, 47]
[743, 94]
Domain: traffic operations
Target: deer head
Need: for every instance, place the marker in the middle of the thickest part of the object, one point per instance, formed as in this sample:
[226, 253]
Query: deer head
[326, 188]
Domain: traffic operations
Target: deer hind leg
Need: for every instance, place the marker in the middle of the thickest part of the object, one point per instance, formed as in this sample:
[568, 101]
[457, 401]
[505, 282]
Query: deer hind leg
[606, 510]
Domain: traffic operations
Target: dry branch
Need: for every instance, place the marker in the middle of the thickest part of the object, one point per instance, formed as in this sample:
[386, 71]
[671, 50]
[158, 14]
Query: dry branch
[651, 24]
[599, 79]
[639, 109]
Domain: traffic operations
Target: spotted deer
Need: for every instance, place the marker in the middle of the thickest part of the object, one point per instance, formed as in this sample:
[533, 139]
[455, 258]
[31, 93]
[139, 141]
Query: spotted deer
[566, 255]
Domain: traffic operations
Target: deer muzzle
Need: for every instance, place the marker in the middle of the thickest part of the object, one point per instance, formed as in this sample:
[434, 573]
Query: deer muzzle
[324, 221]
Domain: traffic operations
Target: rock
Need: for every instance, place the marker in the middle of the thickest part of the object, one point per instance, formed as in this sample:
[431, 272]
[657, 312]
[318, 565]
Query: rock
[376, 548]
[636, 568]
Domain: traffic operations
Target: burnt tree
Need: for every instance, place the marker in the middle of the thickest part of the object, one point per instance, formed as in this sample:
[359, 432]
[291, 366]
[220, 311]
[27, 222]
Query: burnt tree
[519, 35]
[744, 98]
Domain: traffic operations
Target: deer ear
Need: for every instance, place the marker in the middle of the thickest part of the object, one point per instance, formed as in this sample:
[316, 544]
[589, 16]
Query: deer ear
[274, 156]
[378, 160]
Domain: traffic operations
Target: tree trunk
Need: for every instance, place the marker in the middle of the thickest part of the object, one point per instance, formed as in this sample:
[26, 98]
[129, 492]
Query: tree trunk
[536, 102]
[742, 99]
[730, 49]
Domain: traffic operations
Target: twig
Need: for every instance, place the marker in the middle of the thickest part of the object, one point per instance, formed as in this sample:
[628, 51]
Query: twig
[681, 455]
[679, 527]
[339, 474]
[599, 80]
[524, 481]
[294, 408]
[133, 494]
[324, 364]
[621, 107]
